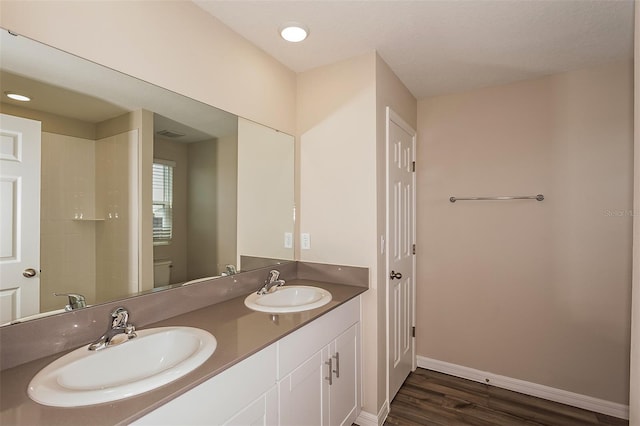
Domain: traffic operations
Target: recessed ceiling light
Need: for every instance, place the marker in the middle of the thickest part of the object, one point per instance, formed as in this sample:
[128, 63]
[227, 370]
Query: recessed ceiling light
[17, 97]
[293, 32]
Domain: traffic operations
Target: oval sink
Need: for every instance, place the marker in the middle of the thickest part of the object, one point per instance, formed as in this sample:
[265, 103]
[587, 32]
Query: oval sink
[155, 357]
[295, 298]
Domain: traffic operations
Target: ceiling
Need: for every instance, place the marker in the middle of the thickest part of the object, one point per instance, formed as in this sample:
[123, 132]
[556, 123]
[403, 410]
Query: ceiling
[438, 47]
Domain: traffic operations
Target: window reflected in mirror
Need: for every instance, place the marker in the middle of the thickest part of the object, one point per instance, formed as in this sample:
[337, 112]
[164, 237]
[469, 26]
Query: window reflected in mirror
[162, 200]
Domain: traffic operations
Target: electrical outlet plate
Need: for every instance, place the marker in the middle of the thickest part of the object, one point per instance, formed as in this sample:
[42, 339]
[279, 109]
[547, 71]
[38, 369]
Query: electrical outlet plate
[288, 240]
[305, 241]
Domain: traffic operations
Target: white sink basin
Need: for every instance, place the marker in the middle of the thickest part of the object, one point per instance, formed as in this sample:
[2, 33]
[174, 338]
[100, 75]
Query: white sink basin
[295, 298]
[154, 358]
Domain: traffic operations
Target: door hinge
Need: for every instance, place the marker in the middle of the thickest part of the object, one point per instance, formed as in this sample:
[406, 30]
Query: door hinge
[413, 250]
[413, 166]
[413, 332]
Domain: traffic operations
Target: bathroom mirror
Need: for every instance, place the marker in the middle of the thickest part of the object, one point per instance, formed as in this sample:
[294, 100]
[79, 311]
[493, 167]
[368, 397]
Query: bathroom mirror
[129, 172]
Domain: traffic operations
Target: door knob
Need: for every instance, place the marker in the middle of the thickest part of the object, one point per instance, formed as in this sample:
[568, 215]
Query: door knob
[29, 273]
[395, 274]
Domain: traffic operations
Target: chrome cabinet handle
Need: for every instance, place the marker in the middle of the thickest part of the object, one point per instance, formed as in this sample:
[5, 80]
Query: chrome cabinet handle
[337, 370]
[29, 273]
[330, 364]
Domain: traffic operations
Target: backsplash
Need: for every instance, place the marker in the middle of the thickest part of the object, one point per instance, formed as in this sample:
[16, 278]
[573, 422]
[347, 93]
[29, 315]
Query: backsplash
[31, 340]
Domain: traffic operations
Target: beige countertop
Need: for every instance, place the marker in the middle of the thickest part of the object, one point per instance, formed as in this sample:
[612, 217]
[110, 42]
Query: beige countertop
[240, 333]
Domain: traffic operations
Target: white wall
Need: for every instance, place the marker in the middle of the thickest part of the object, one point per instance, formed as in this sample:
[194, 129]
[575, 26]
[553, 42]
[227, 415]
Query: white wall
[538, 291]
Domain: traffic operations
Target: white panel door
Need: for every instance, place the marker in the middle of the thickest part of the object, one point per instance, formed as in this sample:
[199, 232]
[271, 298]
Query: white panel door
[400, 259]
[19, 217]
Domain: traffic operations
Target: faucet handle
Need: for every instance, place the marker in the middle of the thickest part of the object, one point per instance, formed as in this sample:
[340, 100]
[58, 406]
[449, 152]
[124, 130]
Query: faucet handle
[273, 275]
[120, 318]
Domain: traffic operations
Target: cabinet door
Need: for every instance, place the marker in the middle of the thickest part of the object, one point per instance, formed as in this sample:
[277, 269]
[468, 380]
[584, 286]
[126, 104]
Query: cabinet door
[303, 394]
[343, 392]
[262, 412]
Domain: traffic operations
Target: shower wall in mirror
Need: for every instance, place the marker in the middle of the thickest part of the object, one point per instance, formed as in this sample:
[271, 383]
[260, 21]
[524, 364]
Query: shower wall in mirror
[134, 175]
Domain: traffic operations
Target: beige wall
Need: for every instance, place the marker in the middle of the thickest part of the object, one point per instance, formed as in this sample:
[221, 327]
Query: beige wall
[337, 137]
[176, 250]
[142, 120]
[203, 201]
[634, 397]
[53, 123]
[155, 40]
[265, 191]
[116, 168]
[538, 291]
[204, 238]
[227, 204]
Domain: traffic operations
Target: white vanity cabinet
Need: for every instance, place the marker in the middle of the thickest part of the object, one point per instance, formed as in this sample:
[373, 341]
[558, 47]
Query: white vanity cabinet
[263, 411]
[244, 394]
[286, 383]
[319, 372]
[324, 389]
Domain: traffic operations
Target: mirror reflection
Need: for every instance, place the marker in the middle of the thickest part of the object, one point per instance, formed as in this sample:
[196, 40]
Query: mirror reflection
[134, 187]
[194, 202]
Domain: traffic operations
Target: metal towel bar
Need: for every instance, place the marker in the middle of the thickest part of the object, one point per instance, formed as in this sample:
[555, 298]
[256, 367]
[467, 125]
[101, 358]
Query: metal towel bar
[538, 197]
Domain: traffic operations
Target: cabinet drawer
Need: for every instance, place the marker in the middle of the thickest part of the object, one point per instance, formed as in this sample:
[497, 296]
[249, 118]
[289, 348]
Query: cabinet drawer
[300, 345]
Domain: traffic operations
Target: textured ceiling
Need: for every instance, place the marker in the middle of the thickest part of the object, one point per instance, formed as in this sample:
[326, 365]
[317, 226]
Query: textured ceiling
[438, 47]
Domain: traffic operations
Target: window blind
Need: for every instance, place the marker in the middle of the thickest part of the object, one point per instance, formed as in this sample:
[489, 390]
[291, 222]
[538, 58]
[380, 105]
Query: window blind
[162, 200]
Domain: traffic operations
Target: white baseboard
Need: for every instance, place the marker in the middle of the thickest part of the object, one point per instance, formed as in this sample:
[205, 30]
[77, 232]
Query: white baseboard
[368, 419]
[541, 391]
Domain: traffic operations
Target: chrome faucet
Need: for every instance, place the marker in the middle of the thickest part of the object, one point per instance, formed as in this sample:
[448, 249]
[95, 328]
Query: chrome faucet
[231, 270]
[76, 301]
[119, 325]
[271, 283]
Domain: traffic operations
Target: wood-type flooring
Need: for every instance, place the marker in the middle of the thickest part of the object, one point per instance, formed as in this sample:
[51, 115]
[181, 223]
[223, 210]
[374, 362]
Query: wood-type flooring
[431, 398]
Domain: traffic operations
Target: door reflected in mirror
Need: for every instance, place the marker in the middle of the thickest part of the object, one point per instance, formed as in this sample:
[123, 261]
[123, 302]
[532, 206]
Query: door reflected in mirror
[231, 196]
